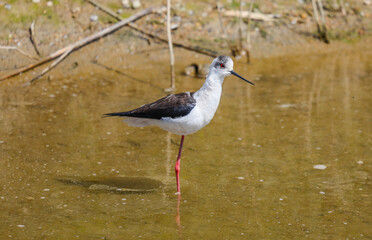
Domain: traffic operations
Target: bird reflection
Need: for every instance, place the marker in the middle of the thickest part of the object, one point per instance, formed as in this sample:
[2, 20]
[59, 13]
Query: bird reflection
[178, 217]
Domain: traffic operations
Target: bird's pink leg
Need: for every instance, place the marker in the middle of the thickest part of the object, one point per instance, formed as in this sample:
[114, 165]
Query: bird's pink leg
[178, 167]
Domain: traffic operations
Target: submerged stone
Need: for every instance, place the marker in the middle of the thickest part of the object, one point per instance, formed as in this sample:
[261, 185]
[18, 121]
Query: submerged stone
[320, 167]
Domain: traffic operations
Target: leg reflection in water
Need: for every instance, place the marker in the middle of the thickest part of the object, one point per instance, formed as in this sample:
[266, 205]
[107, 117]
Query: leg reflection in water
[178, 217]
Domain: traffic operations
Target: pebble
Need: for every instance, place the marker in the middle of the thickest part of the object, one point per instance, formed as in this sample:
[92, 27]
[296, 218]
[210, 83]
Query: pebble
[125, 3]
[49, 3]
[8, 6]
[136, 4]
[93, 18]
[241, 178]
[21, 226]
[176, 22]
[320, 167]
[76, 9]
[36, 1]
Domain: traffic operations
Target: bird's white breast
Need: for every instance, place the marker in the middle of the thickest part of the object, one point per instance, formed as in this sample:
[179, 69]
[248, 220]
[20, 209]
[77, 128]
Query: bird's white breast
[207, 101]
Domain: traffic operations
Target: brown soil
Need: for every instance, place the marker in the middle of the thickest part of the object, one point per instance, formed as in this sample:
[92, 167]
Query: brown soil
[294, 32]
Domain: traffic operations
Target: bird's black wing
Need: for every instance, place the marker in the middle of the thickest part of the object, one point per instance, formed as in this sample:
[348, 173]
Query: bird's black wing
[174, 105]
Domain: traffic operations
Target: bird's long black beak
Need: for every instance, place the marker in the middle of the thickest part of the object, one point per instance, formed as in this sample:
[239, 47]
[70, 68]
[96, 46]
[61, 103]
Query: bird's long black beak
[235, 74]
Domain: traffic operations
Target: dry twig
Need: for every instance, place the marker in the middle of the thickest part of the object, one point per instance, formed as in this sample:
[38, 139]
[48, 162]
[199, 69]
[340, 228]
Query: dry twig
[176, 44]
[31, 30]
[149, 34]
[240, 31]
[19, 50]
[223, 29]
[248, 47]
[53, 65]
[320, 21]
[252, 16]
[170, 46]
[81, 43]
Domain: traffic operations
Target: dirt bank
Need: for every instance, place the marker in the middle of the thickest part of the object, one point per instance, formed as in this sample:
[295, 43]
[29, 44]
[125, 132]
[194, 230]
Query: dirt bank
[59, 23]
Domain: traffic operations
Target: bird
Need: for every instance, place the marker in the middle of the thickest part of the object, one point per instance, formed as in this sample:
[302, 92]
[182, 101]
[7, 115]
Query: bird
[184, 113]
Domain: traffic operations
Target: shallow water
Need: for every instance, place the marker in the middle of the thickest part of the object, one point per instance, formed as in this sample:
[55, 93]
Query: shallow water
[289, 158]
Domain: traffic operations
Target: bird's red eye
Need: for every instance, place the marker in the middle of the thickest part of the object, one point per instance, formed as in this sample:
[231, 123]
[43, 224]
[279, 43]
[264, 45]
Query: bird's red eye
[222, 65]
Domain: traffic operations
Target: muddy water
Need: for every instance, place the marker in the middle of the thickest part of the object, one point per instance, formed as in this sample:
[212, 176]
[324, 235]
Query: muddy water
[289, 158]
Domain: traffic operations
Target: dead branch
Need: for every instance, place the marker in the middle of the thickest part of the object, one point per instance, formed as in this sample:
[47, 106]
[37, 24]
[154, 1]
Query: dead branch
[316, 14]
[170, 46]
[176, 44]
[31, 30]
[83, 42]
[248, 47]
[106, 10]
[223, 29]
[149, 34]
[322, 18]
[53, 65]
[319, 20]
[240, 31]
[252, 16]
[19, 50]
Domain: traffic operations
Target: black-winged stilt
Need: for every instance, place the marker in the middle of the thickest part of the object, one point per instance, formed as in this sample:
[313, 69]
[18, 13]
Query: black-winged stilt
[184, 113]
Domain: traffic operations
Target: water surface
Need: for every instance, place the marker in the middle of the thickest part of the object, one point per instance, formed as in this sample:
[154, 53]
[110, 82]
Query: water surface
[289, 158]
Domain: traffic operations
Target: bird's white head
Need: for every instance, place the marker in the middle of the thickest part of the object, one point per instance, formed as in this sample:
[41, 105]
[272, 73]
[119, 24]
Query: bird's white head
[222, 66]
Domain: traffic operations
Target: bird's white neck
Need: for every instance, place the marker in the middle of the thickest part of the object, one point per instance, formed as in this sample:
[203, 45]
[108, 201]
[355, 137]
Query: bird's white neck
[212, 84]
[210, 93]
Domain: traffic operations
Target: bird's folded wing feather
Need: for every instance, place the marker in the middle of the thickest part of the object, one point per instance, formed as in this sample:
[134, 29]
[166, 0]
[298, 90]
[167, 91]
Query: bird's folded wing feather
[174, 105]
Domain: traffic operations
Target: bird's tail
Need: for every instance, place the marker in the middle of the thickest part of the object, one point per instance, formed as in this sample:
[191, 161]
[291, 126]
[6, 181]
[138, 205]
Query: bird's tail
[117, 114]
[131, 121]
